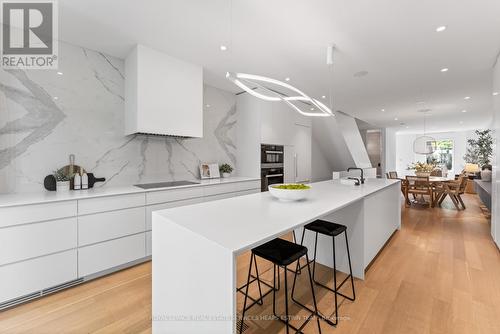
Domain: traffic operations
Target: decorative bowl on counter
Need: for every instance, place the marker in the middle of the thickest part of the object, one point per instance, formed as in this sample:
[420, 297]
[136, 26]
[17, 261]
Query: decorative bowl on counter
[290, 191]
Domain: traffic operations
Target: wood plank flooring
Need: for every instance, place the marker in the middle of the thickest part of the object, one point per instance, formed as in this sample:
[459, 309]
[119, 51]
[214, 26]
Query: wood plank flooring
[439, 274]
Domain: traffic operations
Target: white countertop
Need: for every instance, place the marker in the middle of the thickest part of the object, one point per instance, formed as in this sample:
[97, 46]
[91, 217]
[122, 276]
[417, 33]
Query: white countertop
[239, 223]
[15, 199]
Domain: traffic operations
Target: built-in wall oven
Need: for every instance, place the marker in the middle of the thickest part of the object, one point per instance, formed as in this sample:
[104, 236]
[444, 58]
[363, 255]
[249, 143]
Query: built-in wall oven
[271, 165]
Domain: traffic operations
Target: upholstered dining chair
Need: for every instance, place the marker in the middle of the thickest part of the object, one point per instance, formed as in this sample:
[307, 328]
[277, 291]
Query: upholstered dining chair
[419, 185]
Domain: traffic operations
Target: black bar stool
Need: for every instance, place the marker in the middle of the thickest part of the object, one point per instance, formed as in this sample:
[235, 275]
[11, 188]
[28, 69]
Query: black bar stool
[330, 229]
[280, 253]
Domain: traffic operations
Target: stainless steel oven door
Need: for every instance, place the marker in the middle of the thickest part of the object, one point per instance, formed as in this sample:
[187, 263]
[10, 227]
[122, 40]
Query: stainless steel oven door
[271, 176]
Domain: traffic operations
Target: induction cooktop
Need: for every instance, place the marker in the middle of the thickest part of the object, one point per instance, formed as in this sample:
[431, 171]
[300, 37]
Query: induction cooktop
[165, 184]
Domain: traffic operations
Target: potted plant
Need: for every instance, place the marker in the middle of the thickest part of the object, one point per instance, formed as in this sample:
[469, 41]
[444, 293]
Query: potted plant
[422, 169]
[479, 151]
[226, 170]
[62, 180]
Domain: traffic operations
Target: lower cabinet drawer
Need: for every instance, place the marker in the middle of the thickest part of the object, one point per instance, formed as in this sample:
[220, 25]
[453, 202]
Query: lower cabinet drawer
[95, 258]
[149, 243]
[110, 225]
[23, 242]
[151, 208]
[17, 215]
[163, 196]
[247, 185]
[23, 278]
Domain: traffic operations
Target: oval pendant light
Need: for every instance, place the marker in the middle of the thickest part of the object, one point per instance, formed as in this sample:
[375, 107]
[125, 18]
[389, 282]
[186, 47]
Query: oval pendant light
[424, 144]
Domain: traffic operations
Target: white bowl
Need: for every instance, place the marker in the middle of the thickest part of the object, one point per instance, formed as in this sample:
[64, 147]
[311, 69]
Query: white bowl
[289, 194]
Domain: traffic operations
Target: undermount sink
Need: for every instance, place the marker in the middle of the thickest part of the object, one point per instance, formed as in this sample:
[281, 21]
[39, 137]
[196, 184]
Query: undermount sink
[347, 181]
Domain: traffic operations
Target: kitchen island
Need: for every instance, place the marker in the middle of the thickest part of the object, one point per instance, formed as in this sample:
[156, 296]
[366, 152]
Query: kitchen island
[195, 247]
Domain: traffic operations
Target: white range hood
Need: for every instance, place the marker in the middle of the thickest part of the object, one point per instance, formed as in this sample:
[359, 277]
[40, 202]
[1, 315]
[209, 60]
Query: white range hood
[163, 95]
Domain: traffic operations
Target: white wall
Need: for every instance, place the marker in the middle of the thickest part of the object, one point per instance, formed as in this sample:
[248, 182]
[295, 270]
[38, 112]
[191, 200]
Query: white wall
[495, 216]
[389, 159]
[320, 167]
[405, 155]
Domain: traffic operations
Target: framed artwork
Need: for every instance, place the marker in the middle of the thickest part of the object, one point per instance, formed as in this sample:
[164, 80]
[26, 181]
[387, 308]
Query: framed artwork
[209, 171]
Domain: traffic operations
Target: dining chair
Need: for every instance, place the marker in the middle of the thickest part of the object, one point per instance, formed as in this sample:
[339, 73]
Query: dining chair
[419, 185]
[454, 189]
[393, 175]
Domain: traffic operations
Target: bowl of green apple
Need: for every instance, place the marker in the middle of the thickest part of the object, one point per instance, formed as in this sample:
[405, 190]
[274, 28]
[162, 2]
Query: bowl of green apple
[290, 191]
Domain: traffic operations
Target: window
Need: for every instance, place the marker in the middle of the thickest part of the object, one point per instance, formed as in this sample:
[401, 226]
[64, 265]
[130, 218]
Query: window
[443, 155]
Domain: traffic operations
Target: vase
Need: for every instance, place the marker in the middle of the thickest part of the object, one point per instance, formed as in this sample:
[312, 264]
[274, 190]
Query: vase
[62, 186]
[423, 174]
[226, 174]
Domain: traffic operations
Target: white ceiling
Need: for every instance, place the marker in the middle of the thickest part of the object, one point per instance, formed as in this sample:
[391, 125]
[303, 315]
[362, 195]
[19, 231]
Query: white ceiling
[394, 40]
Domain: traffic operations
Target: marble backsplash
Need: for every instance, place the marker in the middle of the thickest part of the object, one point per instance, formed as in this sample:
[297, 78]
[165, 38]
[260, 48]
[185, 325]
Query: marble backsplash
[45, 116]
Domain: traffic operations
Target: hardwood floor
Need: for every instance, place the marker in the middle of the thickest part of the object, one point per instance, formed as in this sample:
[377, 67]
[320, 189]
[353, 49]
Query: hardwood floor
[439, 274]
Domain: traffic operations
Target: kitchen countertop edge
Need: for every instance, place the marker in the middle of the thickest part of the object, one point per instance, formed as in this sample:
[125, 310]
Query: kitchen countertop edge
[43, 197]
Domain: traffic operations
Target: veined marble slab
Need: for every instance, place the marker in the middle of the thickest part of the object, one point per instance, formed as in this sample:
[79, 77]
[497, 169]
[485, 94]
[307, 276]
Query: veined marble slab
[45, 116]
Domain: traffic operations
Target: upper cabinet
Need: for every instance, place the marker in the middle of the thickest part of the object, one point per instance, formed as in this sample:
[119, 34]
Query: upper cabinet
[163, 95]
[277, 120]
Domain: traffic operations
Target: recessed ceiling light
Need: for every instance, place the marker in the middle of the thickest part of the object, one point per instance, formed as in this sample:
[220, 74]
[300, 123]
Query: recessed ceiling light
[56, 98]
[382, 110]
[323, 97]
[467, 98]
[495, 93]
[407, 127]
[207, 105]
[444, 69]
[441, 28]
[461, 122]
[287, 79]
[312, 109]
[223, 48]
[60, 73]
[464, 111]
[396, 119]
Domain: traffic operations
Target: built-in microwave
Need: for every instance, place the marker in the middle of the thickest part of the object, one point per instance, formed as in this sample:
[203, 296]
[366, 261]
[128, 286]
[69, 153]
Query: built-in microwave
[271, 154]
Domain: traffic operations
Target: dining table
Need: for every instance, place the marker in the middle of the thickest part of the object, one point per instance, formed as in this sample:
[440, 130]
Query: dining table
[434, 181]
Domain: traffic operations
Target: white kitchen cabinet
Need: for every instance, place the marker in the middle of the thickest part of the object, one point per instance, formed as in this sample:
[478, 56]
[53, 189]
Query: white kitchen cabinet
[26, 277]
[163, 95]
[23, 242]
[110, 203]
[289, 164]
[277, 121]
[48, 244]
[16, 215]
[106, 255]
[302, 145]
[109, 225]
[149, 243]
[163, 206]
[163, 196]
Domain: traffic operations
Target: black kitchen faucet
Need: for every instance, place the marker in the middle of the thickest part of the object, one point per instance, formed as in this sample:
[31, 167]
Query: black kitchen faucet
[362, 173]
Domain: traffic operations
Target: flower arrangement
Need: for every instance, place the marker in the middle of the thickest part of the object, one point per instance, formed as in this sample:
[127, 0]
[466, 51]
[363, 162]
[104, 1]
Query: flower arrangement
[422, 167]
